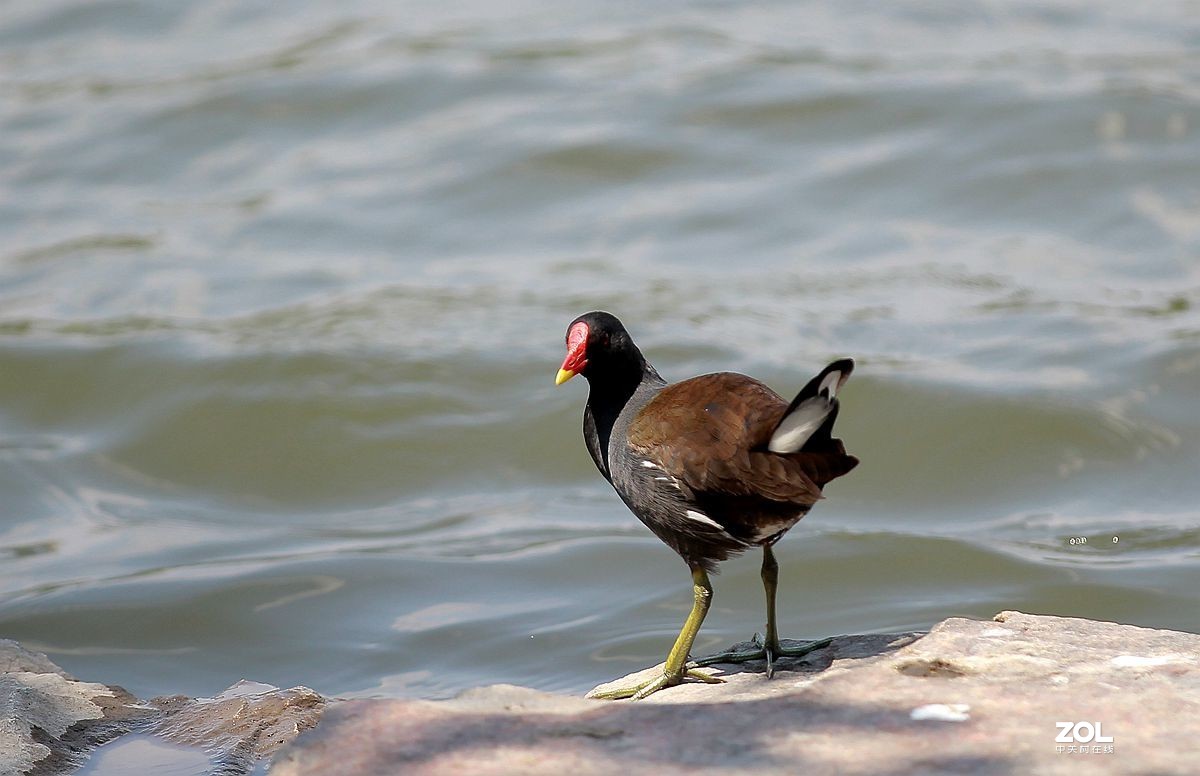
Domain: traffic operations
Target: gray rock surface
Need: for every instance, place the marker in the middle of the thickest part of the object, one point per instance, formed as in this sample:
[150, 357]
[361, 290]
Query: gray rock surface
[50, 721]
[968, 698]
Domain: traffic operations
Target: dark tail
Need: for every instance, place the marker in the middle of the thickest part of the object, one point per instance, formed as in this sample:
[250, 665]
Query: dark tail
[808, 422]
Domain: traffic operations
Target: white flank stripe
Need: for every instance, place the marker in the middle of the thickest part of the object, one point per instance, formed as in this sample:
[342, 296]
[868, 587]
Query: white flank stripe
[650, 464]
[700, 517]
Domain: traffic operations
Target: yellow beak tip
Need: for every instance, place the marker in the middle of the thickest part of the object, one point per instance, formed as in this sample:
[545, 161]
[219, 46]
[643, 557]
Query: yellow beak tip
[563, 376]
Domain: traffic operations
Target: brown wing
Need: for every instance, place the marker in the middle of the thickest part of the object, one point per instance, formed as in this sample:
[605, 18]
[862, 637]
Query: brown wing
[711, 433]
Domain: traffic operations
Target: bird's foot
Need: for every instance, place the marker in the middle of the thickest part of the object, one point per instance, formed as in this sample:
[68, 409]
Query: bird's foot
[644, 689]
[765, 652]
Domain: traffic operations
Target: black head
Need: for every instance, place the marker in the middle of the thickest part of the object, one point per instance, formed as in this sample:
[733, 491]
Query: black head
[598, 346]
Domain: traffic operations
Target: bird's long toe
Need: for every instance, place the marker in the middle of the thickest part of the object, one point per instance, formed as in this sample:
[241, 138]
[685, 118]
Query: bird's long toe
[767, 653]
[640, 690]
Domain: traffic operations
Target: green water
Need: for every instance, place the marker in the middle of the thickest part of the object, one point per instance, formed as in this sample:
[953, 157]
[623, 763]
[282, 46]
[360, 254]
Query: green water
[282, 297]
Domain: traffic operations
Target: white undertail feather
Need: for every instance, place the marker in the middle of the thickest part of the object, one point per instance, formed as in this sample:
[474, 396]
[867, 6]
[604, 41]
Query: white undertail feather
[801, 423]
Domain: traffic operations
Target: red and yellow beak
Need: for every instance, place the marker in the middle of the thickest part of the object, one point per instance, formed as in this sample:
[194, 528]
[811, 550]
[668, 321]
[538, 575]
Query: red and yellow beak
[576, 358]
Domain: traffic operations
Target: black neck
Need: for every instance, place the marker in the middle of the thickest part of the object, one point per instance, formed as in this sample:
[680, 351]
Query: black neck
[609, 394]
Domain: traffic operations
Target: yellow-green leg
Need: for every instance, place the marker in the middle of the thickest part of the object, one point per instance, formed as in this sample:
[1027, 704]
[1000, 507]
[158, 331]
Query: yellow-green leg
[676, 668]
[769, 648]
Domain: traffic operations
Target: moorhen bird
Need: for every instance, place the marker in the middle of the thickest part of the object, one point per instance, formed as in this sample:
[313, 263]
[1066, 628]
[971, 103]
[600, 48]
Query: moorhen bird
[713, 465]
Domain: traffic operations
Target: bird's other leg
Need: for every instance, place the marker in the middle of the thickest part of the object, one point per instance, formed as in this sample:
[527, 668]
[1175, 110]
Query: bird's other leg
[769, 647]
[676, 668]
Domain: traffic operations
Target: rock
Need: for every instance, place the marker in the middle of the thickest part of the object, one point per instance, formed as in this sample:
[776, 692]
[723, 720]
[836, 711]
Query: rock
[50, 721]
[968, 698]
[244, 724]
[14, 659]
[1019, 694]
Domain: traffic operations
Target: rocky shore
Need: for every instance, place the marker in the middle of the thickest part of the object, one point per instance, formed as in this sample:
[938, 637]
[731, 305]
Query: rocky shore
[53, 723]
[1018, 694]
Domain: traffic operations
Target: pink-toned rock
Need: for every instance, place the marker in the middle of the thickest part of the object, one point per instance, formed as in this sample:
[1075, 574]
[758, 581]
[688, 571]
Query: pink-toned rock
[968, 698]
[245, 724]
